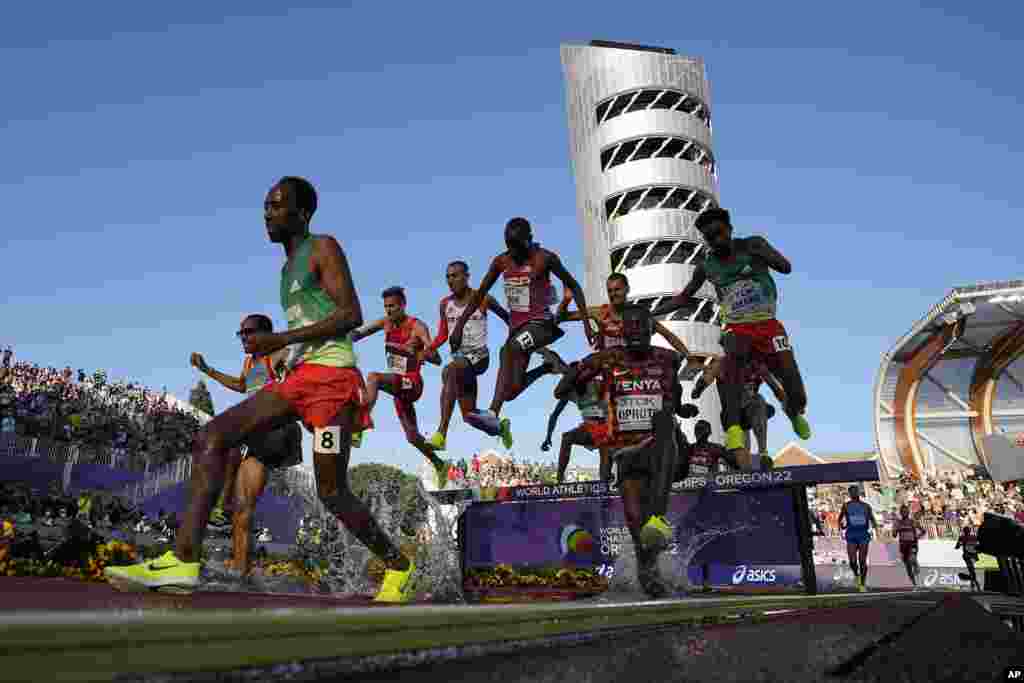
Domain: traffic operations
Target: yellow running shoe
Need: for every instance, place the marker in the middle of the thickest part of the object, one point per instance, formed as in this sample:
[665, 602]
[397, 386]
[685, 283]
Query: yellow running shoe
[357, 439]
[862, 588]
[441, 474]
[801, 426]
[656, 533]
[506, 433]
[437, 441]
[166, 573]
[735, 438]
[397, 586]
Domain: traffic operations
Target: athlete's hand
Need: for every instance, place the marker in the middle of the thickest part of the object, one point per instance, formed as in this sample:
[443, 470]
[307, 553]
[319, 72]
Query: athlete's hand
[263, 343]
[199, 363]
[546, 446]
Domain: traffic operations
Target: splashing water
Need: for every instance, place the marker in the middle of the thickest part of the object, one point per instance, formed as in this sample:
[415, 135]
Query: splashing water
[439, 574]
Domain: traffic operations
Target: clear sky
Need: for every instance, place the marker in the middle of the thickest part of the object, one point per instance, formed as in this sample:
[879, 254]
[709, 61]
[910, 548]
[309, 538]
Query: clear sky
[873, 143]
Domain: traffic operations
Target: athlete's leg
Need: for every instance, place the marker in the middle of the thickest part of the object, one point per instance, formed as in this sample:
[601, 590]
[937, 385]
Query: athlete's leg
[252, 479]
[738, 349]
[851, 552]
[605, 464]
[375, 382]
[410, 425]
[862, 557]
[757, 418]
[260, 412]
[451, 390]
[783, 365]
[226, 502]
[511, 374]
[664, 455]
[574, 437]
[513, 377]
[331, 471]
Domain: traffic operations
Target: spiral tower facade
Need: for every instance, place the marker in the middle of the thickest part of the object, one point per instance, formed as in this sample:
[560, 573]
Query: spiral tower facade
[640, 135]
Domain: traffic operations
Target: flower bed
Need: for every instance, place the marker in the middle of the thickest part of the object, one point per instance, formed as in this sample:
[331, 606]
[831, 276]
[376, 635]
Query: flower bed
[91, 569]
[504, 576]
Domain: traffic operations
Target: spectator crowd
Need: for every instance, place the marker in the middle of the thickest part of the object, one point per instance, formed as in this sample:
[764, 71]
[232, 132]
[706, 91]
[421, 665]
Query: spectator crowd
[492, 469]
[122, 422]
[943, 503]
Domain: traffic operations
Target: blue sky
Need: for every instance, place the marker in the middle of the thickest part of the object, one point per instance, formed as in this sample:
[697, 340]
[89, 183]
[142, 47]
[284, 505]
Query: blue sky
[875, 144]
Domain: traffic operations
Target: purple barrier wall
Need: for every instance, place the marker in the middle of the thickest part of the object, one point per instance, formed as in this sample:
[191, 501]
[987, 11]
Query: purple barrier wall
[39, 473]
[757, 527]
[272, 511]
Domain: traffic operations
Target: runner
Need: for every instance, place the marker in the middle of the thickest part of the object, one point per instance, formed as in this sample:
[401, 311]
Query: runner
[526, 268]
[324, 389]
[591, 434]
[643, 396]
[703, 458]
[740, 269]
[407, 343]
[608, 317]
[469, 363]
[969, 542]
[858, 519]
[246, 475]
[907, 530]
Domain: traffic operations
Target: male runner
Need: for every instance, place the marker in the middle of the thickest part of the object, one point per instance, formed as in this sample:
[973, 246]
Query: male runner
[739, 269]
[969, 542]
[246, 475]
[467, 364]
[324, 389]
[702, 458]
[405, 340]
[526, 268]
[591, 434]
[907, 530]
[608, 317]
[855, 517]
[643, 395]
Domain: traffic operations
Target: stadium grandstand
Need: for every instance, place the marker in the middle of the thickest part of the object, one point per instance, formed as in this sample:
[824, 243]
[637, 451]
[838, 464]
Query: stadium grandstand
[953, 383]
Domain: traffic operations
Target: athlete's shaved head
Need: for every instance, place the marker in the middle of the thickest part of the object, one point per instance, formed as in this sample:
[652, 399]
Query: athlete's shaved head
[260, 321]
[460, 264]
[303, 192]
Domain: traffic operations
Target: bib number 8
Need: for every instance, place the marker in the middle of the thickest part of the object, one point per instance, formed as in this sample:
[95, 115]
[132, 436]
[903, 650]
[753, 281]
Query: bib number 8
[327, 440]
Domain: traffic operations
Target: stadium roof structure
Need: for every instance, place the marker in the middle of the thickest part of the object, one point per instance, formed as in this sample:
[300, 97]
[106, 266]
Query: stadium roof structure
[954, 379]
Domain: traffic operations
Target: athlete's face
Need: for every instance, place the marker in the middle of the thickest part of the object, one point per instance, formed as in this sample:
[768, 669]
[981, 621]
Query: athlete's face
[718, 235]
[282, 218]
[617, 292]
[458, 279]
[518, 238]
[394, 308]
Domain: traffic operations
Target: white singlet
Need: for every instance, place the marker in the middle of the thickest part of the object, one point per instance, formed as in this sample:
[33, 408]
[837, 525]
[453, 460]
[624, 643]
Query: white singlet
[474, 334]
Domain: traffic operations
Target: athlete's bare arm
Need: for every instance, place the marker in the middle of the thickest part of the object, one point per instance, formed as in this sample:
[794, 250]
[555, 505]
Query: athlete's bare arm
[495, 270]
[442, 329]
[760, 248]
[553, 420]
[497, 309]
[674, 341]
[226, 381]
[422, 334]
[554, 264]
[370, 330]
[842, 517]
[871, 517]
[697, 281]
[332, 271]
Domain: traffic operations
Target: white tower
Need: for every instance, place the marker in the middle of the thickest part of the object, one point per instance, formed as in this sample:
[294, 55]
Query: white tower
[640, 130]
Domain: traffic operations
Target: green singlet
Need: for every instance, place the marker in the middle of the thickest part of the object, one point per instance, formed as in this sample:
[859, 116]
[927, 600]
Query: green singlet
[746, 291]
[306, 303]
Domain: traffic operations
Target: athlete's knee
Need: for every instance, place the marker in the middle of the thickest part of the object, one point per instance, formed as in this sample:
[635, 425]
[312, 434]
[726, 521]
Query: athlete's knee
[209, 446]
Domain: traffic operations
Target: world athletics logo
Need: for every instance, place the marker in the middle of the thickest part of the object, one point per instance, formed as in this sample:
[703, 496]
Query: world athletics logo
[575, 540]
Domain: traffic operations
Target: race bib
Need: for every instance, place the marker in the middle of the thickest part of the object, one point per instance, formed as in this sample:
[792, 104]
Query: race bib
[398, 363]
[517, 293]
[474, 356]
[612, 342]
[636, 413]
[327, 440]
[781, 343]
